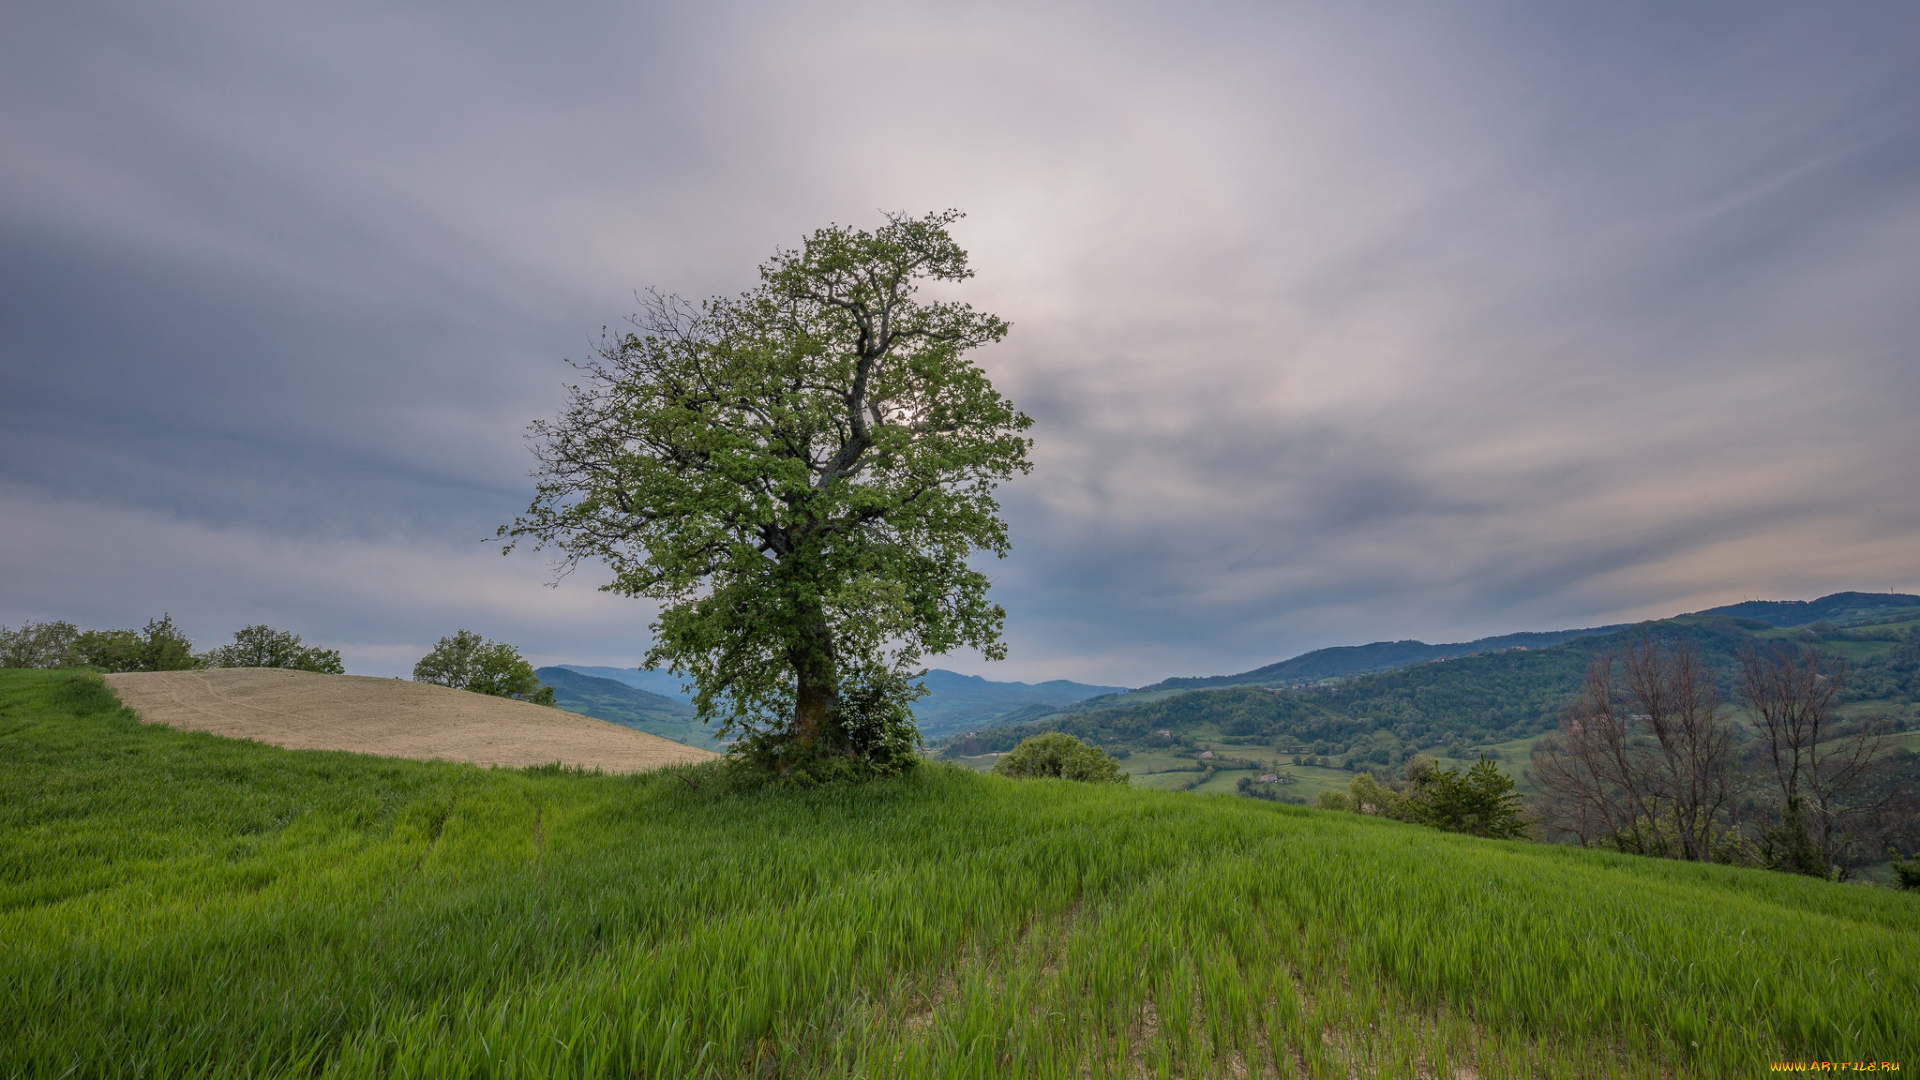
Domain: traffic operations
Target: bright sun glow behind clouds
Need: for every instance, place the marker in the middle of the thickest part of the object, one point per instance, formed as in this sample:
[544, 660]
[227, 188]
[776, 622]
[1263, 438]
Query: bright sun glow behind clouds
[1338, 323]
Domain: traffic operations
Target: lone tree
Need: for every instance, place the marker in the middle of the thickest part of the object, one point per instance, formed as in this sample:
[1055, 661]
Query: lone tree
[467, 661]
[798, 475]
[1059, 755]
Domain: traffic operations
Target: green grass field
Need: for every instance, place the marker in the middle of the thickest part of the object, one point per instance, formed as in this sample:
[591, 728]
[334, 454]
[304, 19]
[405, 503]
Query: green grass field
[175, 904]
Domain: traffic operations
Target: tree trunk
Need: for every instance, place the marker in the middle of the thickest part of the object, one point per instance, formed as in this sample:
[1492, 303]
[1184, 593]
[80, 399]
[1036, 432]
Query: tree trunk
[813, 705]
[817, 691]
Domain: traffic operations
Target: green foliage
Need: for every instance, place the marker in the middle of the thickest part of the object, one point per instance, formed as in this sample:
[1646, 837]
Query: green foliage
[1893, 677]
[798, 476]
[1907, 874]
[467, 661]
[1059, 756]
[40, 645]
[159, 647]
[265, 647]
[1788, 844]
[1481, 802]
[175, 904]
[874, 737]
[1332, 799]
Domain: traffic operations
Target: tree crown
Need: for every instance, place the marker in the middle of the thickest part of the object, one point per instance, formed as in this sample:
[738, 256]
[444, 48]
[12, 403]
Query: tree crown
[798, 475]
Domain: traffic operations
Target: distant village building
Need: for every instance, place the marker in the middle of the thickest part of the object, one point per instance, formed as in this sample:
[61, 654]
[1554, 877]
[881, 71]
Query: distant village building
[1268, 778]
[1204, 754]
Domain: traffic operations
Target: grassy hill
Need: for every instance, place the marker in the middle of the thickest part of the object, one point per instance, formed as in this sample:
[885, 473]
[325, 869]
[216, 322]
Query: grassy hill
[179, 904]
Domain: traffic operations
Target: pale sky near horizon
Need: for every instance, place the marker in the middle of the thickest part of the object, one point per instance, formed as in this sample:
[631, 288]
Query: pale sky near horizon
[1339, 322]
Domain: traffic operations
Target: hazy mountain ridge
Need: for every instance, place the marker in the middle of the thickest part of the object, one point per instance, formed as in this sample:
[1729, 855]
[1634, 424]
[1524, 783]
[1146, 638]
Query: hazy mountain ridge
[1344, 660]
[955, 702]
[1838, 608]
[620, 703]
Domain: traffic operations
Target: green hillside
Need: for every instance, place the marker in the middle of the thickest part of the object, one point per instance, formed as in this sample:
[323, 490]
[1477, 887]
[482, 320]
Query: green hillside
[1345, 660]
[179, 904]
[1449, 708]
[628, 706]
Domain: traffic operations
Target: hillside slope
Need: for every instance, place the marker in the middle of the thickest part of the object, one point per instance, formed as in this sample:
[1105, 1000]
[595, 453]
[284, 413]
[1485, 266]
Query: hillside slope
[1346, 660]
[178, 904]
[620, 703]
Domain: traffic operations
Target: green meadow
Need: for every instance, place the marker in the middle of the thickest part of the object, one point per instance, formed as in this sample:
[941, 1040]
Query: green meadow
[175, 904]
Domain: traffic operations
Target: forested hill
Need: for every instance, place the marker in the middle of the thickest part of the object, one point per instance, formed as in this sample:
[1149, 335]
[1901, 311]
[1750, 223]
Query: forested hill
[1346, 660]
[1486, 698]
[1841, 609]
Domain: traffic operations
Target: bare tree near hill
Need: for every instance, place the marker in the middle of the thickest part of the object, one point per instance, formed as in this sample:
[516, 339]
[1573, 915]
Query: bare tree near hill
[1822, 772]
[1644, 758]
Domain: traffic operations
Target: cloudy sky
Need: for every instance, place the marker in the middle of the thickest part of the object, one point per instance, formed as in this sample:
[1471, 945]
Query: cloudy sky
[1339, 322]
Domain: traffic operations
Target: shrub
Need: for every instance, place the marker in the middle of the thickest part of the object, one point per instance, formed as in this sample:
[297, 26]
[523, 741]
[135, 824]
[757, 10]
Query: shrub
[1058, 754]
[1480, 801]
[1333, 800]
[1907, 874]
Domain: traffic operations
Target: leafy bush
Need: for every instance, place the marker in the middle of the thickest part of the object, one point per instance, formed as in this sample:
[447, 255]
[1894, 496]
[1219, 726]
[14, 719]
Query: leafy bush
[467, 661]
[1907, 874]
[871, 734]
[39, 645]
[1480, 801]
[1057, 754]
[265, 647]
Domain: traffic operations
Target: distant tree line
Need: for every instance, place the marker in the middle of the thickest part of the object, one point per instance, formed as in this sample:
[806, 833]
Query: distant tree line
[463, 660]
[160, 646]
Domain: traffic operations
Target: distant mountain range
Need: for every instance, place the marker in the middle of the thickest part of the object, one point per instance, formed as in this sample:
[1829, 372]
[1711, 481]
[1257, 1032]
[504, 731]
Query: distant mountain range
[1840, 609]
[1341, 661]
[1344, 660]
[653, 701]
[1488, 695]
[617, 701]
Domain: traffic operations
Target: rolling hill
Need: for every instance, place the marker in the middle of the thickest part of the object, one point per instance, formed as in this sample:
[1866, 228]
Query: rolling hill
[628, 706]
[180, 904]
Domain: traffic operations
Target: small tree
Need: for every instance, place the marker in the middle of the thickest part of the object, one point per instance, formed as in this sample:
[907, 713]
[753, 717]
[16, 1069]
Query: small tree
[1481, 801]
[40, 645]
[265, 647]
[467, 661]
[1059, 755]
[799, 476]
[1822, 775]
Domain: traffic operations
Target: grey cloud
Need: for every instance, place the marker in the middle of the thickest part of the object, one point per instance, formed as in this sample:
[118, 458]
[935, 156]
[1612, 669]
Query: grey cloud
[1338, 323]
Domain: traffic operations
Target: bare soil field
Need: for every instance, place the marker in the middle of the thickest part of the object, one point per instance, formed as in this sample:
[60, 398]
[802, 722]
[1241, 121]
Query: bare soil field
[389, 717]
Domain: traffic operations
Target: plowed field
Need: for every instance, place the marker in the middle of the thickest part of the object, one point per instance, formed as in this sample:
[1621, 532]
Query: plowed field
[389, 717]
